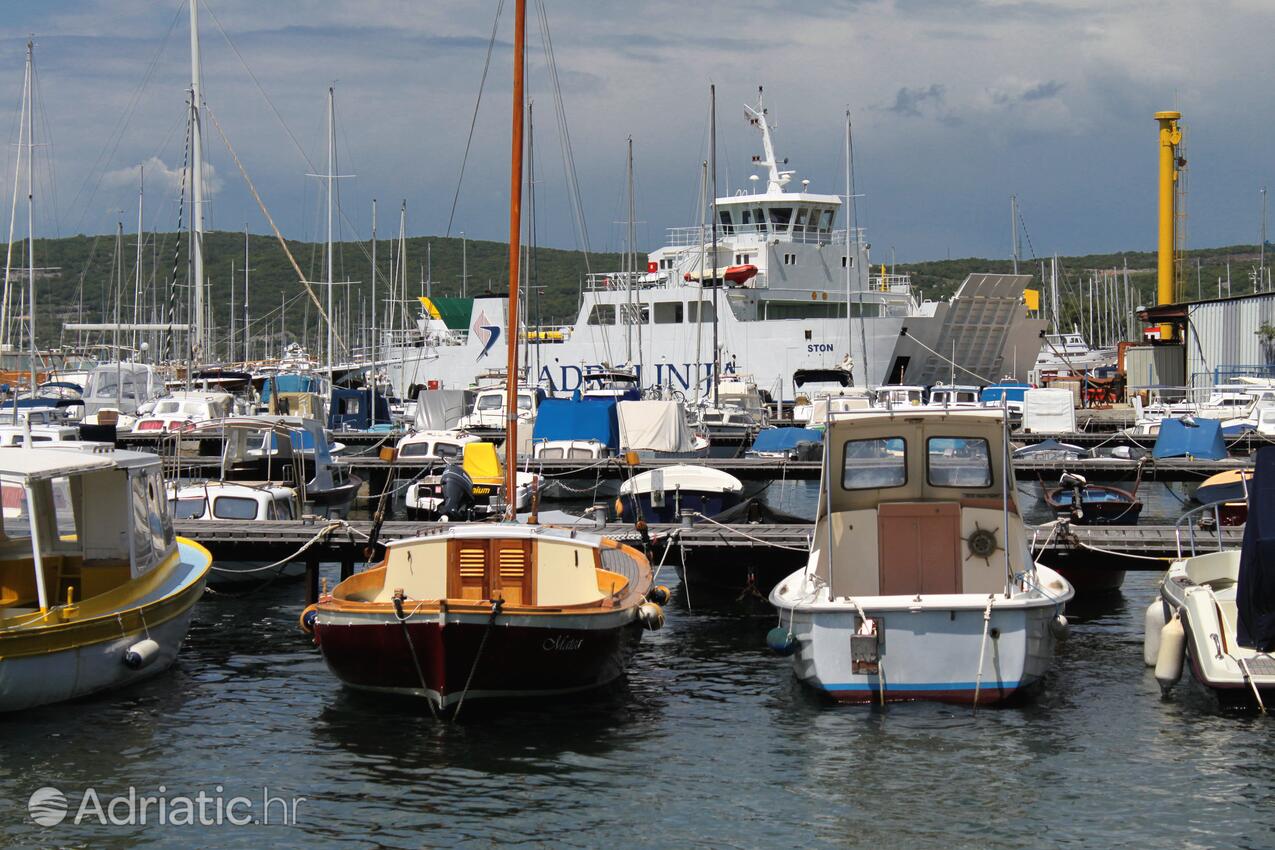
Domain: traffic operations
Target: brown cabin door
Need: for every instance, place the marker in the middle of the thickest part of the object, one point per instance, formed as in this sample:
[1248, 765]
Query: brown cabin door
[919, 546]
[486, 569]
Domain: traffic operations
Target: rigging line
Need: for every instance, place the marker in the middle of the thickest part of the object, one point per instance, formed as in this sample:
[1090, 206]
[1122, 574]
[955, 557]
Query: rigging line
[564, 138]
[1023, 223]
[473, 121]
[282, 242]
[257, 83]
[50, 190]
[117, 133]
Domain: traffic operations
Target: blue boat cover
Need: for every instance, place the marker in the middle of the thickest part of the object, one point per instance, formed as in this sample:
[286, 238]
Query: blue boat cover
[1014, 390]
[1255, 591]
[1202, 441]
[569, 419]
[784, 439]
[352, 410]
[290, 384]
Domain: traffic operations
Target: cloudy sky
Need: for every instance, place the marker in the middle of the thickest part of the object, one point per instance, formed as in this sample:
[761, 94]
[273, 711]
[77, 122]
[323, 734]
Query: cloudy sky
[956, 105]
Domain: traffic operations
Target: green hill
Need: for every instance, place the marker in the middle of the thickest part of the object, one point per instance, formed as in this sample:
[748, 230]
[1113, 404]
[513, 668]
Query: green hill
[75, 280]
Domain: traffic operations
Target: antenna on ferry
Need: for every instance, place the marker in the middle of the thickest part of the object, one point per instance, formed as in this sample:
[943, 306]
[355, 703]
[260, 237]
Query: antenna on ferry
[757, 117]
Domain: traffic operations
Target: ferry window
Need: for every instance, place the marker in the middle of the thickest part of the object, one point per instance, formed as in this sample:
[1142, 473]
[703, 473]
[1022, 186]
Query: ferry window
[748, 217]
[799, 226]
[759, 219]
[780, 216]
[869, 464]
[187, 508]
[234, 507]
[699, 311]
[602, 314]
[958, 462]
[668, 313]
[634, 314]
[724, 215]
[826, 224]
[845, 262]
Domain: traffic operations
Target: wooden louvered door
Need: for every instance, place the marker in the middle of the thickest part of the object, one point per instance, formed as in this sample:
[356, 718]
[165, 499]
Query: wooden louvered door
[516, 573]
[467, 576]
[485, 569]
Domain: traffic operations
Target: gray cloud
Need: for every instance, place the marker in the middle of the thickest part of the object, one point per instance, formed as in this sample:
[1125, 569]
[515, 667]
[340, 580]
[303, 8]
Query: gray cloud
[909, 101]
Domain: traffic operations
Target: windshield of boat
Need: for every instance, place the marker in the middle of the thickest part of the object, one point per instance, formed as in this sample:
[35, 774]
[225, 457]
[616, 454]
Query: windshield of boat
[958, 462]
[491, 401]
[871, 464]
[187, 508]
[234, 507]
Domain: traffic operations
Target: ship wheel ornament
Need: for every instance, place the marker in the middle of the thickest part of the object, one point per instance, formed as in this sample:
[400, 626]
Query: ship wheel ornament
[982, 543]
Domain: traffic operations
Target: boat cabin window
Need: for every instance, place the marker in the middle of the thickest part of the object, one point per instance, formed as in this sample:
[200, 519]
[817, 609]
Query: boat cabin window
[634, 314]
[168, 407]
[668, 313]
[490, 401]
[800, 224]
[581, 454]
[748, 217]
[17, 516]
[234, 507]
[602, 314]
[550, 454]
[414, 450]
[697, 311]
[870, 464]
[187, 508]
[826, 224]
[524, 401]
[958, 462]
[725, 217]
[280, 509]
[446, 450]
[780, 217]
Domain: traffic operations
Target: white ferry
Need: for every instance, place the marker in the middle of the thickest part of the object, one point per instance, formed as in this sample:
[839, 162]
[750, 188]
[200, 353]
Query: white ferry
[790, 288]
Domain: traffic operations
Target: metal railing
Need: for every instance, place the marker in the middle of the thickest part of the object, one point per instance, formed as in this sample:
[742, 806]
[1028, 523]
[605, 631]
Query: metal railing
[1191, 524]
[686, 237]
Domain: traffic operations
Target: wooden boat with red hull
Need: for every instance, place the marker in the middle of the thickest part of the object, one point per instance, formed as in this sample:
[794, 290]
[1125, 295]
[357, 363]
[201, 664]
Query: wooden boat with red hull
[482, 612]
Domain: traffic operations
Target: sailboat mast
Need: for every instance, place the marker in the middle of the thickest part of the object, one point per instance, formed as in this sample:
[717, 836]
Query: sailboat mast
[245, 294]
[712, 153]
[137, 281]
[31, 211]
[372, 374]
[197, 181]
[331, 177]
[515, 232]
[5, 317]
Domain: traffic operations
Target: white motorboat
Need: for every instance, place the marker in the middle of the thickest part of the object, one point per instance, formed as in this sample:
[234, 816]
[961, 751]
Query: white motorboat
[1216, 611]
[219, 501]
[920, 567]
[661, 494]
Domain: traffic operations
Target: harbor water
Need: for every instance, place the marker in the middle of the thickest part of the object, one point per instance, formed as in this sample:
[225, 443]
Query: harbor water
[708, 742]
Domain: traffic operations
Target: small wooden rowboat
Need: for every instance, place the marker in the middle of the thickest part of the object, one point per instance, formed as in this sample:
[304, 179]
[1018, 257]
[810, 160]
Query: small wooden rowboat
[482, 612]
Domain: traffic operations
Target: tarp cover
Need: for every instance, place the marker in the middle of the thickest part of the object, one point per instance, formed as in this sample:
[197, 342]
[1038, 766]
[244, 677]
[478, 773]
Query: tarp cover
[1203, 440]
[1255, 591]
[784, 439]
[482, 464]
[657, 426]
[567, 419]
[1014, 391]
[290, 384]
[439, 410]
[1048, 411]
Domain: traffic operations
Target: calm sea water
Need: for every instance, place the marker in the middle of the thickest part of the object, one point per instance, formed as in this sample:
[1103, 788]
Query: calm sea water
[709, 742]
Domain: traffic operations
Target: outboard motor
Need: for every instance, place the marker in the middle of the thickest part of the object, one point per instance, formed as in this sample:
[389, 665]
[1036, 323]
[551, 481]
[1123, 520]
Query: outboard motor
[1076, 483]
[458, 493]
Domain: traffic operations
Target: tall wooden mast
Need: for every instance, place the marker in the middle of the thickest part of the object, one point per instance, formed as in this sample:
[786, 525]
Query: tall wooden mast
[515, 232]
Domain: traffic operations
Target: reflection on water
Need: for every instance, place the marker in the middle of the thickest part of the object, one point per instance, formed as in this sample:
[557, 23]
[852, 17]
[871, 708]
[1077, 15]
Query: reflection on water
[709, 742]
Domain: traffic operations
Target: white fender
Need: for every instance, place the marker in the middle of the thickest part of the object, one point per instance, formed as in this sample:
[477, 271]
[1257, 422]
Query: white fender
[140, 654]
[1168, 662]
[1152, 622]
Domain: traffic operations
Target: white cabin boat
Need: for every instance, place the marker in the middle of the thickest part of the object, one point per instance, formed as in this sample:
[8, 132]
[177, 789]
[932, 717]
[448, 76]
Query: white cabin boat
[220, 501]
[920, 583]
